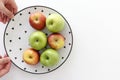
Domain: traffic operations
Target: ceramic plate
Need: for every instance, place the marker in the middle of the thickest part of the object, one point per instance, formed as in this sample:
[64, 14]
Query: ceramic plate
[16, 37]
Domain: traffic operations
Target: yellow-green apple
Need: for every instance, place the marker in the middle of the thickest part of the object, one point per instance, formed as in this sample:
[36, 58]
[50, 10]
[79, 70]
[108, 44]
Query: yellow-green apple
[55, 22]
[56, 40]
[37, 20]
[38, 40]
[31, 56]
[49, 57]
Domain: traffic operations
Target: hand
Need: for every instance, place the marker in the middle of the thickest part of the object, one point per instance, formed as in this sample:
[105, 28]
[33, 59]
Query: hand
[7, 10]
[5, 65]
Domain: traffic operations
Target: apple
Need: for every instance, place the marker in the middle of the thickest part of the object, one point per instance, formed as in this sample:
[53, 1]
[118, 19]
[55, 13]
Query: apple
[49, 57]
[56, 40]
[31, 56]
[55, 22]
[37, 20]
[38, 40]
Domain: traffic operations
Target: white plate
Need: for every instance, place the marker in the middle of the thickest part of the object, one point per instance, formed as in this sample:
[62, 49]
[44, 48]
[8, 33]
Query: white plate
[16, 37]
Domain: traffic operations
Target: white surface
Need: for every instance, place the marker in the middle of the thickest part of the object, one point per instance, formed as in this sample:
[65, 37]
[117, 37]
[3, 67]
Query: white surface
[96, 50]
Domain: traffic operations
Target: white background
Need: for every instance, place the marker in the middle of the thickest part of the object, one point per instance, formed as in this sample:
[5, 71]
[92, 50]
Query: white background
[96, 30]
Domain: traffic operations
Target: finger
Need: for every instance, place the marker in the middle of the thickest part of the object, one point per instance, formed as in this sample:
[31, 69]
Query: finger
[8, 19]
[8, 6]
[0, 17]
[7, 66]
[4, 60]
[14, 11]
[1, 66]
[5, 70]
[14, 6]
[0, 57]
[4, 18]
[7, 12]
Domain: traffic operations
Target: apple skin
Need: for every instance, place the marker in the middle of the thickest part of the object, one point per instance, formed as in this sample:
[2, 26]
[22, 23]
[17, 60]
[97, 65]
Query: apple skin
[31, 56]
[56, 40]
[49, 57]
[55, 23]
[37, 20]
[38, 40]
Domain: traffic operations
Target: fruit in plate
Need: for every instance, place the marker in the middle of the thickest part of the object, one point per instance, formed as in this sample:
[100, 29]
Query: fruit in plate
[55, 22]
[56, 40]
[38, 40]
[49, 57]
[31, 56]
[37, 20]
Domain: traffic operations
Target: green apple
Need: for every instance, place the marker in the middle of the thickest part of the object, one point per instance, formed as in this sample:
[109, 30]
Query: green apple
[55, 22]
[38, 40]
[49, 57]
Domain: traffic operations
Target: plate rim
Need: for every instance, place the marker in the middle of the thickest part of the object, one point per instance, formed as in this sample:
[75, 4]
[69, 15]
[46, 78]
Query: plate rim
[70, 33]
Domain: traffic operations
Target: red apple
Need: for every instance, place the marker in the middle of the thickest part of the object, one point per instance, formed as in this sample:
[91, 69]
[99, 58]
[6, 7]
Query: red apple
[56, 40]
[37, 20]
[31, 56]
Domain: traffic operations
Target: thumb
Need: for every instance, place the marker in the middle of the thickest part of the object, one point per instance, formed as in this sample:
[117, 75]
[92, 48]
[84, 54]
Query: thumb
[4, 60]
[7, 12]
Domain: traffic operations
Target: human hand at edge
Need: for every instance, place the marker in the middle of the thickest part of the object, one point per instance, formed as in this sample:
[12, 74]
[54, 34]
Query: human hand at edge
[7, 10]
[5, 65]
